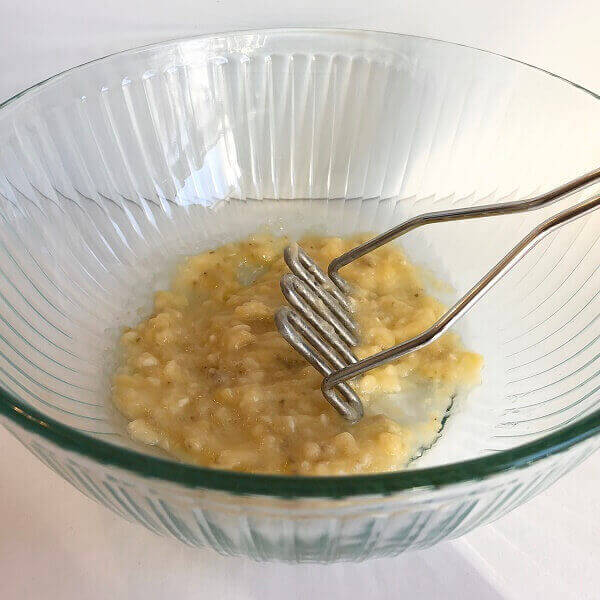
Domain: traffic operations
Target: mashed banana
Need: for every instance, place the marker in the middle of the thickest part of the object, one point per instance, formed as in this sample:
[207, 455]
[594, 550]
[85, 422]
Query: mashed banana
[208, 378]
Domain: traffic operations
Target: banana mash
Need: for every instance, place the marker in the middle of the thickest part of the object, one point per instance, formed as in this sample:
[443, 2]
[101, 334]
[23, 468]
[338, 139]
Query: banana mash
[208, 378]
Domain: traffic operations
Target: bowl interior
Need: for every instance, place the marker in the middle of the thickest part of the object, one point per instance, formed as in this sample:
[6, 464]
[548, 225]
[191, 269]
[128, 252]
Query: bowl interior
[112, 172]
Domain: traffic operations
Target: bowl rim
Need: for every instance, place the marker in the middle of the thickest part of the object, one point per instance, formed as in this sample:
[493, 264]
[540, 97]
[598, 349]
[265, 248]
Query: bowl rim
[292, 486]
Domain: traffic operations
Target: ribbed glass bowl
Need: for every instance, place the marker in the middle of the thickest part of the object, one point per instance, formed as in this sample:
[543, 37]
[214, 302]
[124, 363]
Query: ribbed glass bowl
[112, 171]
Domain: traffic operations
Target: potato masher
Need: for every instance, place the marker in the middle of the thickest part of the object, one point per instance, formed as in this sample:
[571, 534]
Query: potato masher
[319, 324]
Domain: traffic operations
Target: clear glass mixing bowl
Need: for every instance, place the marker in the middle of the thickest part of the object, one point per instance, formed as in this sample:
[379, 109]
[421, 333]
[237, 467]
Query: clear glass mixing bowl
[111, 171]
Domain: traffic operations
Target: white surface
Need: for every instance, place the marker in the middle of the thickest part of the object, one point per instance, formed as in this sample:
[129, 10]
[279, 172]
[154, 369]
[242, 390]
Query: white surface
[54, 543]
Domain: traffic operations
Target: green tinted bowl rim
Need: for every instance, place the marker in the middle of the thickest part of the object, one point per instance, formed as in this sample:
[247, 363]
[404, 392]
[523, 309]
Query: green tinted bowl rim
[292, 486]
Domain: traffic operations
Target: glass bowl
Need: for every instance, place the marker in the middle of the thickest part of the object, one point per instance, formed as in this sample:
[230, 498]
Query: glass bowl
[112, 171]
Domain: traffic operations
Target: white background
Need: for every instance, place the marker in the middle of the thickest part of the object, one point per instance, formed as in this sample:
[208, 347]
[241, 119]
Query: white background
[55, 543]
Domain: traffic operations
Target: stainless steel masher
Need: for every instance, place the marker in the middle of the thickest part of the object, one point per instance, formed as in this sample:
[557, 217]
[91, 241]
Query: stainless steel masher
[320, 326]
